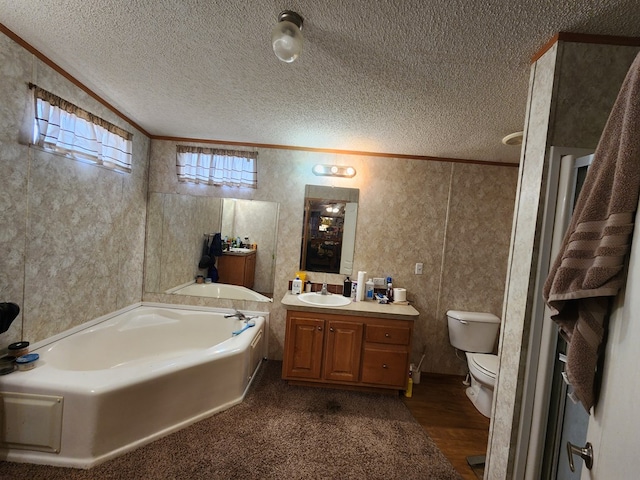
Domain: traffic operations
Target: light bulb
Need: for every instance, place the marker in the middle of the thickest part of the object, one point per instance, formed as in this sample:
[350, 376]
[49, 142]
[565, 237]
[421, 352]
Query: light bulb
[286, 37]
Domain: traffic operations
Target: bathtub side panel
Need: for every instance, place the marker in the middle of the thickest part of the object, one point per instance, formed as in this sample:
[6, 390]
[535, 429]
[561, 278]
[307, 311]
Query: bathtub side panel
[143, 411]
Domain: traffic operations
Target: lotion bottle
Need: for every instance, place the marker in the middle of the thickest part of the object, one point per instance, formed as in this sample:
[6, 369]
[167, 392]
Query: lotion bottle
[296, 286]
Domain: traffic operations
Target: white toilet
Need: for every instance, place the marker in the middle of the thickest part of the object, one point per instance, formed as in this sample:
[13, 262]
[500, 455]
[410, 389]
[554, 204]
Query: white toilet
[476, 333]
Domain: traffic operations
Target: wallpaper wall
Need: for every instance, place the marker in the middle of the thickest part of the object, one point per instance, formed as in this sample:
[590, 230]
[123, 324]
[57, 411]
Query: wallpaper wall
[454, 218]
[71, 234]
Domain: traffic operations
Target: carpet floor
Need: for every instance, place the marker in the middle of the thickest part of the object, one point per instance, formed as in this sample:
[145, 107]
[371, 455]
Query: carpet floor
[279, 432]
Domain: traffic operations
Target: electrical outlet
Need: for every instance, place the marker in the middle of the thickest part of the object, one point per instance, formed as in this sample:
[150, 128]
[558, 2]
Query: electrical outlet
[419, 267]
[379, 282]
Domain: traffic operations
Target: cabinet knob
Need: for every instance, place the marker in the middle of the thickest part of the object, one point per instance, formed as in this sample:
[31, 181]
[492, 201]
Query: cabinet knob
[387, 335]
[331, 329]
[384, 365]
[320, 328]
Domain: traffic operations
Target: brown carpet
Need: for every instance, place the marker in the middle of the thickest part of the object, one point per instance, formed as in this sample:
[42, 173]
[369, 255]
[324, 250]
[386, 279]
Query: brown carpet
[279, 432]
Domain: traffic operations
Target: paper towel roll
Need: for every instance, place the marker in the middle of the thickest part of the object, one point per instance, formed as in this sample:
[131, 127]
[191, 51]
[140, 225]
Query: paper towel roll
[360, 287]
[399, 294]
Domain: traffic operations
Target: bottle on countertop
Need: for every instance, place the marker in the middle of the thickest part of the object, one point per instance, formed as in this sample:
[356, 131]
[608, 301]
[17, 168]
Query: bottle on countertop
[368, 292]
[389, 289]
[346, 289]
[296, 286]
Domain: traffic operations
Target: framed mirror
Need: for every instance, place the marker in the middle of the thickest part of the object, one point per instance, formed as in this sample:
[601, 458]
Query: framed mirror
[178, 224]
[329, 229]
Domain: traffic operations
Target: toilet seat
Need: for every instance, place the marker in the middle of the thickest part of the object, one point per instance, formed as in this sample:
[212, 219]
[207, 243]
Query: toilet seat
[483, 366]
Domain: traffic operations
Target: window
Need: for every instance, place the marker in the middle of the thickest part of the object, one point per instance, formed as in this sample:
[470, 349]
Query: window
[67, 129]
[233, 168]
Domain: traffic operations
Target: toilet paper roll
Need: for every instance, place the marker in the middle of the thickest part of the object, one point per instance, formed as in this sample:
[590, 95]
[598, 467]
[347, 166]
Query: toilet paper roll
[399, 294]
[360, 287]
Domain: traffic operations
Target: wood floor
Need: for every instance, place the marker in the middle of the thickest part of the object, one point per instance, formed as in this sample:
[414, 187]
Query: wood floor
[441, 406]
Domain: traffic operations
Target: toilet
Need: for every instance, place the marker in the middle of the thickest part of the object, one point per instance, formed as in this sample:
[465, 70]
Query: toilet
[476, 333]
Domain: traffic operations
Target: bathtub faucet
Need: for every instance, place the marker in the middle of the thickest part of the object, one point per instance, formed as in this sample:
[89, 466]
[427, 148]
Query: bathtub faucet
[240, 315]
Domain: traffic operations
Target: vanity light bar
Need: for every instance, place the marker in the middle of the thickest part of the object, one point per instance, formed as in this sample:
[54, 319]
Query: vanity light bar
[334, 171]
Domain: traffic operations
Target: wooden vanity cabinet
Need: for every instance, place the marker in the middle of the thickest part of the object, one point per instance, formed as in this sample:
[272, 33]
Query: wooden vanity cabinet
[346, 350]
[237, 269]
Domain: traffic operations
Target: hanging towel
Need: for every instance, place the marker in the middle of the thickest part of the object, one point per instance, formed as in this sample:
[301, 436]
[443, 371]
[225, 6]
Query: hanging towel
[205, 259]
[216, 246]
[8, 313]
[589, 269]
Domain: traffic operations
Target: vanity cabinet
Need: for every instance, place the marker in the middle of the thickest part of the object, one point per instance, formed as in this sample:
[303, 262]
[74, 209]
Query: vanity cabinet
[237, 268]
[349, 350]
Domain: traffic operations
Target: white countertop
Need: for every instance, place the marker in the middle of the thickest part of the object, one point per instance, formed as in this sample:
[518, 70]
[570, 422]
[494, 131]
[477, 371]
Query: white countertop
[367, 307]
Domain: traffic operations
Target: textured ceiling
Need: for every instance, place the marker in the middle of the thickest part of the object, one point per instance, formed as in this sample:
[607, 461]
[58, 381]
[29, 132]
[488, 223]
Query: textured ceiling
[444, 78]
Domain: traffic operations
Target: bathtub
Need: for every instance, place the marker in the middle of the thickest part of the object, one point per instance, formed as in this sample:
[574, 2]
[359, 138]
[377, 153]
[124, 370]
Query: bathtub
[219, 290]
[123, 380]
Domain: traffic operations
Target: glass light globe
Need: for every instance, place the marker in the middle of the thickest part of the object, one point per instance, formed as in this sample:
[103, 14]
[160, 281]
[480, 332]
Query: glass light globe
[287, 40]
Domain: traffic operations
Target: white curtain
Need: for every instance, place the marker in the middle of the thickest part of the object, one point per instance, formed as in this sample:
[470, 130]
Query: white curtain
[68, 129]
[234, 168]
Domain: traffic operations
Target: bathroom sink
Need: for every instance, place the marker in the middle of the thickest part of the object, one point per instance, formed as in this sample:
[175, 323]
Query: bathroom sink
[314, 298]
[239, 250]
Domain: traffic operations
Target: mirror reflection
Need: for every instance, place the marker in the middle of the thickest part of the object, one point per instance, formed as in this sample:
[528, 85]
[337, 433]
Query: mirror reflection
[178, 225]
[328, 231]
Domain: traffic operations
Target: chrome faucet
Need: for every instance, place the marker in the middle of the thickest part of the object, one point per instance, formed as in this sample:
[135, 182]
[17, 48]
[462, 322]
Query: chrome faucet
[324, 289]
[240, 315]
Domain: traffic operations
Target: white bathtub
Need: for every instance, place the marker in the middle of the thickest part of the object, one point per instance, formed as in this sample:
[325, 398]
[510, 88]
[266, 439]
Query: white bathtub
[124, 380]
[219, 290]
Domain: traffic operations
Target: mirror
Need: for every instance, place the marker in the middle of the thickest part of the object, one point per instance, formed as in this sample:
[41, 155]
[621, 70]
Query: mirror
[176, 229]
[329, 229]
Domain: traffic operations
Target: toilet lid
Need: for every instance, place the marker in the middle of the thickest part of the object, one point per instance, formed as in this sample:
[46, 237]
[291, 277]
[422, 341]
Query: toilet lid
[486, 362]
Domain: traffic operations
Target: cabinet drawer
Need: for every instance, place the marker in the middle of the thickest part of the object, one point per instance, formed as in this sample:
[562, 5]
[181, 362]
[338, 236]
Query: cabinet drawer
[385, 367]
[392, 335]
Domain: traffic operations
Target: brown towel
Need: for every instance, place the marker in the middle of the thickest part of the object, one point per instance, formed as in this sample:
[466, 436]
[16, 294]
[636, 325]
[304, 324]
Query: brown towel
[589, 269]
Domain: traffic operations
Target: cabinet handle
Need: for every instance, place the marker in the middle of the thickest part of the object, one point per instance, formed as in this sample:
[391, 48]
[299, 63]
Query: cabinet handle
[331, 329]
[384, 365]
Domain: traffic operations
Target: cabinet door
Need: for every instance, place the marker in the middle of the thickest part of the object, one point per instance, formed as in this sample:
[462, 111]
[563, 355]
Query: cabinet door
[231, 269]
[303, 348]
[343, 351]
[249, 270]
[385, 366]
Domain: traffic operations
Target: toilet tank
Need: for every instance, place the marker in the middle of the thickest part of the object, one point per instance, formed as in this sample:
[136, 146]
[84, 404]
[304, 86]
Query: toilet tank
[473, 331]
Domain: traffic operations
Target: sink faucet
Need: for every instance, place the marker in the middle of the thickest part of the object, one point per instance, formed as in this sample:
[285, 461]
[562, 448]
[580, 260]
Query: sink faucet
[324, 289]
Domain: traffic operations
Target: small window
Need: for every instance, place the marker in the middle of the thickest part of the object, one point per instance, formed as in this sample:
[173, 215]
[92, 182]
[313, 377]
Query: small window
[64, 128]
[233, 168]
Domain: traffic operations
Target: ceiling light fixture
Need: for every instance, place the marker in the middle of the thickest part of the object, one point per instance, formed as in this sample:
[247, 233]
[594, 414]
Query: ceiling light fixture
[286, 37]
[334, 171]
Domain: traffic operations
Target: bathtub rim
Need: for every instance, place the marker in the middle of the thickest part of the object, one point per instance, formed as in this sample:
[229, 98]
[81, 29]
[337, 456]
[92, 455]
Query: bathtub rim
[79, 328]
[173, 290]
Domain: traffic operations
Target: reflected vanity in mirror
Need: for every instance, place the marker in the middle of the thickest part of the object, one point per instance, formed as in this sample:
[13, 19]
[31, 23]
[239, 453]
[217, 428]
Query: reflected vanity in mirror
[177, 226]
[329, 229]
